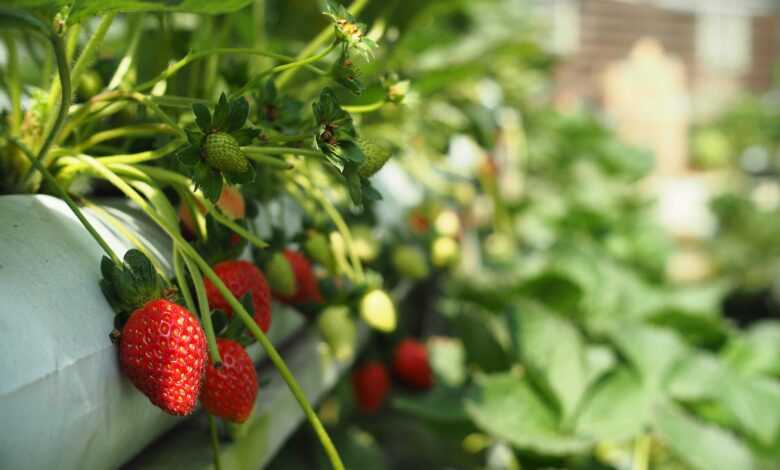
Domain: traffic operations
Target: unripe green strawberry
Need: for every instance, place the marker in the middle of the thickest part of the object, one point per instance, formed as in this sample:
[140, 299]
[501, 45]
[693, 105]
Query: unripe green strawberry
[280, 275]
[376, 157]
[224, 154]
[444, 252]
[338, 330]
[318, 249]
[410, 262]
[378, 311]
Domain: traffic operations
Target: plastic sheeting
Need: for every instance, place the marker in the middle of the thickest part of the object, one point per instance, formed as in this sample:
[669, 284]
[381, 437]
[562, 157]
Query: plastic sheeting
[63, 402]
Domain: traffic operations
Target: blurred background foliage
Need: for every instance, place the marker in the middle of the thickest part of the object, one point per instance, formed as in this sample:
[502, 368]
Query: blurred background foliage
[559, 340]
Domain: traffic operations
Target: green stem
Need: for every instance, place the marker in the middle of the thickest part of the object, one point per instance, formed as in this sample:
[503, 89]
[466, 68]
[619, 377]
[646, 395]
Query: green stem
[181, 279]
[14, 85]
[341, 225]
[139, 130]
[166, 212]
[238, 309]
[307, 60]
[255, 150]
[214, 442]
[193, 56]
[122, 229]
[134, 32]
[364, 108]
[62, 112]
[64, 195]
[270, 161]
[85, 59]
[205, 311]
[641, 458]
[145, 156]
[317, 42]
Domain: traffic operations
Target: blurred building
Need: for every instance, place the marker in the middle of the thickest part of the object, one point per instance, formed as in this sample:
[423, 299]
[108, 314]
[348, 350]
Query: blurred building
[656, 66]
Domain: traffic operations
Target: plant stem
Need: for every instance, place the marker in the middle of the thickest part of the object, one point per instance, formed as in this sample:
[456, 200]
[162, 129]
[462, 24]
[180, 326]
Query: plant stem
[62, 112]
[341, 225]
[168, 214]
[364, 108]
[238, 309]
[254, 150]
[318, 41]
[134, 32]
[117, 225]
[193, 56]
[34, 162]
[214, 441]
[145, 156]
[205, 312]
[181, 279]
[90, 48]
[308, 60]
[14, 85]
[641, 458]
[270, 161]
[128, 131]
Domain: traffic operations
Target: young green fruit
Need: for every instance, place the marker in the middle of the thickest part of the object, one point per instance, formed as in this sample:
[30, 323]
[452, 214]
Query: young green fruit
[410, 262]
[375, 158]
[318, 249]
[280, 275]
[444, 252]
[223, 153]
[338, 330]
[378, 311]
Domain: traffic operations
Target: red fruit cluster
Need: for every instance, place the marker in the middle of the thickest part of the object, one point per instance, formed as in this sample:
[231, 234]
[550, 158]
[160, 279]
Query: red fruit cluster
[162, 350]
[229, 391]
[307, 290]
[410, 364]
[242, 277]
[370, 384]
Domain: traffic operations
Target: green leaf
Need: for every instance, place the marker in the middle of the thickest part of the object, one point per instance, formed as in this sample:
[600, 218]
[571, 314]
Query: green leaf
[246, 135]
[239, 110]
[702, 446]
[554, 352]
[757, 351]
[350, 151]
[616, 408]
[651, 350]
[554, 289]
[698, 376]
[354, 185]
[202, 116]
[505, 406]
[189, 155]
[85, 8]
[439, 404]
[755, 403]
[208, 180]
[221, 113]
[478, 331]
[698, 329]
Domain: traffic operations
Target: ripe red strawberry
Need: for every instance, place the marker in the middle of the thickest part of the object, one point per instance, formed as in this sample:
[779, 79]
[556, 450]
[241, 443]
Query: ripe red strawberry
[410, 364]
[230, 391]
[162, 350]
[307, 290]
[370, 384]
[242, 277]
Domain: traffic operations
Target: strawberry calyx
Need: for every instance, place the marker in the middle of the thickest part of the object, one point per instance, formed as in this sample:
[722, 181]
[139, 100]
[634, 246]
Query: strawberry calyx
[129, 286]
[214, 151]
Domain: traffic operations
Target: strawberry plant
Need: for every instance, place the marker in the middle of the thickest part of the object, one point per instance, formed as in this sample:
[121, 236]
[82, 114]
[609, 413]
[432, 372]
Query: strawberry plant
[398, 176]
